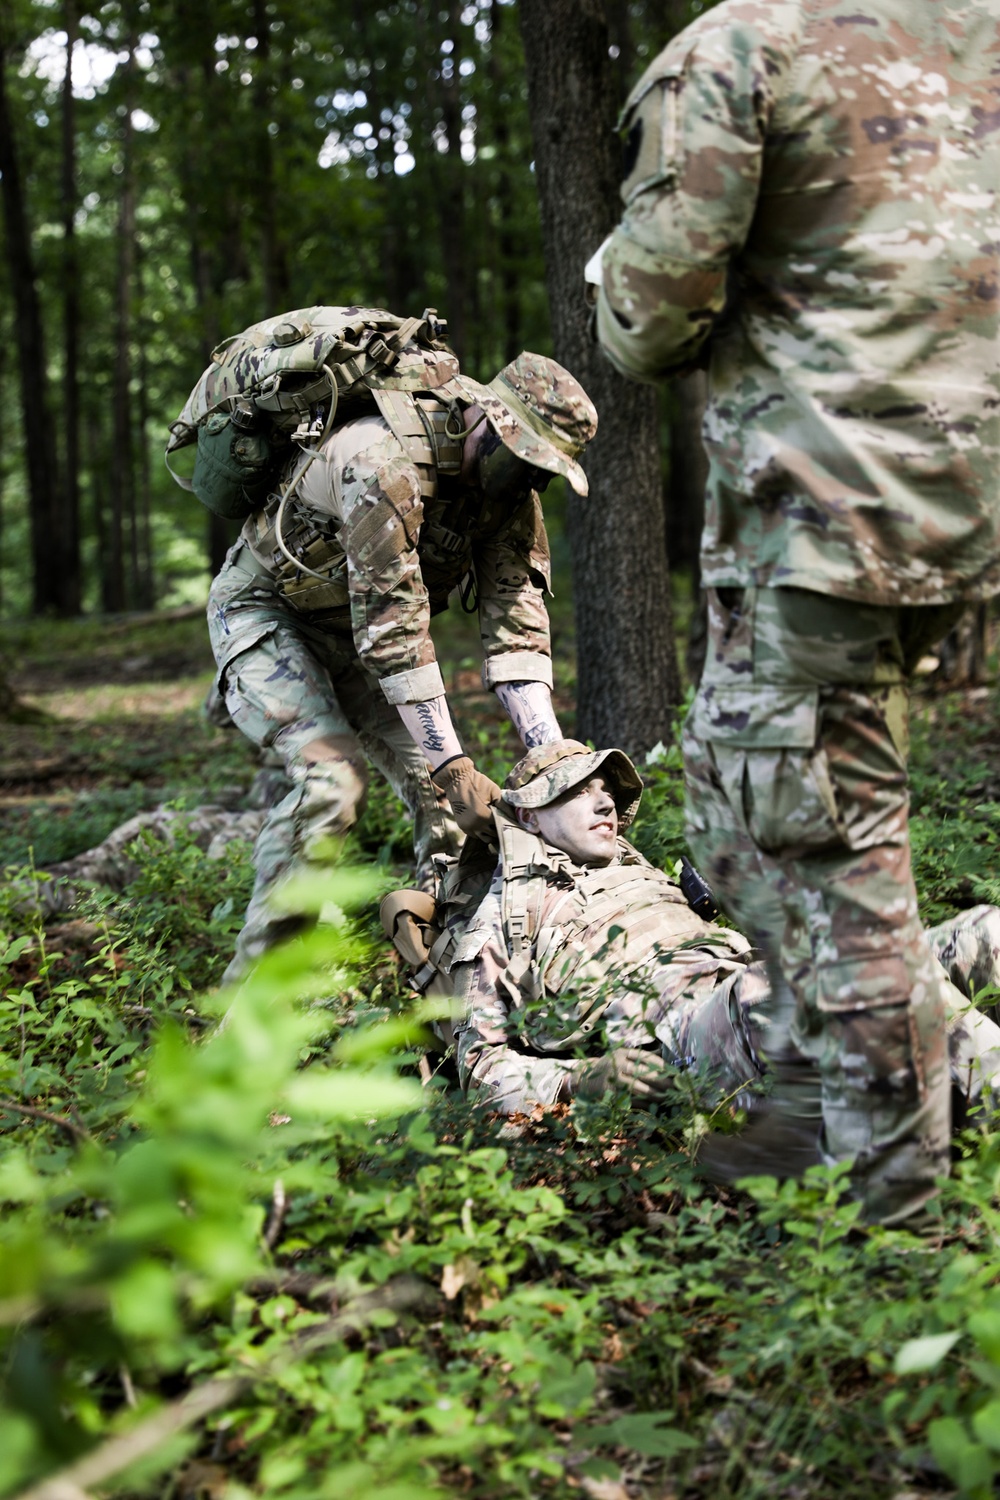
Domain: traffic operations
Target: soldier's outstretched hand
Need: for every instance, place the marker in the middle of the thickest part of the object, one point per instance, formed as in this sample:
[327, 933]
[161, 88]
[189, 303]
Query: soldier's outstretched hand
[471, 795]
[642, 1072]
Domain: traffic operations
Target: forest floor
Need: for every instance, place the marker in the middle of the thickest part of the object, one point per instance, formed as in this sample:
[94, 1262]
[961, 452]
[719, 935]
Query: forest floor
[265, 1261]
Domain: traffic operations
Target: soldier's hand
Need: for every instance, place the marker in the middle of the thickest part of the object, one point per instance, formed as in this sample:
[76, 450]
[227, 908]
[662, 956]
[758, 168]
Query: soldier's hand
[642, 1072]
[471, 795]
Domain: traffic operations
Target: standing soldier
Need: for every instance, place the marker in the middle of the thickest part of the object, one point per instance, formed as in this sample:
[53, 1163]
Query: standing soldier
[320, 617]
[811, 204]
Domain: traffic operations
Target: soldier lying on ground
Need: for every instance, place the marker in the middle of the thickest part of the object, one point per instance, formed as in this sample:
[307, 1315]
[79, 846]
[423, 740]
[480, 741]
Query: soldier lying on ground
[584, 969]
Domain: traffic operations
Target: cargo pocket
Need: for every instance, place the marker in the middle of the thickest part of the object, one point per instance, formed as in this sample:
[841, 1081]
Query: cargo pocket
[880, 1067]
[865, 981]
[232, 639]
[806, 773]
[764, 745]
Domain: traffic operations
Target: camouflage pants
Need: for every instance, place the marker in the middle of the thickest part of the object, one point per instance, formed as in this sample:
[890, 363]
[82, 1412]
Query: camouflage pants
[726, 1034]
[797, 812]
[296, 688]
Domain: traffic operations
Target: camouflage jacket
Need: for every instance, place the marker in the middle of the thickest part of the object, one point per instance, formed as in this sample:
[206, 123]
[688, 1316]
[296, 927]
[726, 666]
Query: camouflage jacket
[812, 185]
[616, 953]
[391, 539]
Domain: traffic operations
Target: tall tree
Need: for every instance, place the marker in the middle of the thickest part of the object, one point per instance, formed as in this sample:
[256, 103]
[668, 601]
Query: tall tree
[66, 532]
[506, 244]
[30, 344]
[121, 473]
[628, 683]
[274, 259]
[451, 178]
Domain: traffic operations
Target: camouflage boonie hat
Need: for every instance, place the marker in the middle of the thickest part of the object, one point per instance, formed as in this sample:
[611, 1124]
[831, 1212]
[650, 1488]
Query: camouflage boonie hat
[549, 770]
[540, 412]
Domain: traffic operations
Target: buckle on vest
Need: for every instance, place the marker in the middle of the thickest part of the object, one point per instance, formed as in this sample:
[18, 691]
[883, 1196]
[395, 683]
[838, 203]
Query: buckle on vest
[378, 350]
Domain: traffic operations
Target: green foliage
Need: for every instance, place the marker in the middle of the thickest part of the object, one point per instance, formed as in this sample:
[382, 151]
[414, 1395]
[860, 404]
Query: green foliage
[364, 1286]
[57, 833]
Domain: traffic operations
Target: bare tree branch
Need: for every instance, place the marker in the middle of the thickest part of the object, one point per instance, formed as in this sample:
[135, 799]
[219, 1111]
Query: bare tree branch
[72, 1127]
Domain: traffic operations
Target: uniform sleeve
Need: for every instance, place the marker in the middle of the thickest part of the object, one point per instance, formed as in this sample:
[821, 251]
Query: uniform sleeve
[494, 1073]
[390, 610]
[694, 131]
[491, 1069]
[513, 575]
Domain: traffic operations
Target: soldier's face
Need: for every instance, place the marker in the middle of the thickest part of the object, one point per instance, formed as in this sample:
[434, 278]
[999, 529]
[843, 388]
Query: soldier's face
[494, 469]
[583, 822]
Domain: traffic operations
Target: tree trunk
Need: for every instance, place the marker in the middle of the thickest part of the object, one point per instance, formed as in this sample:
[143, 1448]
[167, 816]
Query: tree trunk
[400, 287]
[449, 176]
[274, 261]
[145, 597]
[29, 341]
[628, 683]
[216, 248]
[507, 253]
[120, 473]
[66, 534]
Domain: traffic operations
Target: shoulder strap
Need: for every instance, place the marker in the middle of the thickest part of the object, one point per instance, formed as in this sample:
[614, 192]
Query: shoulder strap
[525, 878]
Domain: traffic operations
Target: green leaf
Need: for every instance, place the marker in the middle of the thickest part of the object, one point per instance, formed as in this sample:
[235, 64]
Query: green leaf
[334, 1094]
[143, 1301]
[926, 1353]
[986, 1424]
[370, 1042]
[985, 1329]
[648, 1433]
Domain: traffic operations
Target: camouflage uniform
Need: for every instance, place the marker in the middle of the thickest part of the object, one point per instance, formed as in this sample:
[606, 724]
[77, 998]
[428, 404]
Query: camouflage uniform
[814, 185]
[314, 666]
[617, 959]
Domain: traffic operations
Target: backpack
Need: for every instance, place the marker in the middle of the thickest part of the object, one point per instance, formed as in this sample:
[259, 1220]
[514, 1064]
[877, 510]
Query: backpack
[283, 382]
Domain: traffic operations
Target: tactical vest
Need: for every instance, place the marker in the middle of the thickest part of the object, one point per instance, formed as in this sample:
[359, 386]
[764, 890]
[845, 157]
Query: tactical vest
[426, 427]
[608, 921]
[605, 924]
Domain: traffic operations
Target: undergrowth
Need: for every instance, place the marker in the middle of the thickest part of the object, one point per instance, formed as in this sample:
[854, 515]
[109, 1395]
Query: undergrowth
[322, 1274]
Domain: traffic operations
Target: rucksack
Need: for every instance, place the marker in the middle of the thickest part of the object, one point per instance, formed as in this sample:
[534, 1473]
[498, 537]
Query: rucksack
[284, 381]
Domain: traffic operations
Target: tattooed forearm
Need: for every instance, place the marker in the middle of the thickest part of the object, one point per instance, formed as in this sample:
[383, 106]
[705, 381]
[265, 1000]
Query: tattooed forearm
[430, 727]
[433, 739]
[529, 707]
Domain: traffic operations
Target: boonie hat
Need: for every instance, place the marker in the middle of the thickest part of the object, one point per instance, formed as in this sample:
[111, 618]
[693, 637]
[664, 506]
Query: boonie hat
[540, 412]
[549, 770]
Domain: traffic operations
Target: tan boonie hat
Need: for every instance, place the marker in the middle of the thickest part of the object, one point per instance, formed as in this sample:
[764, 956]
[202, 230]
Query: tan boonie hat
[549, 770]
[540, 412]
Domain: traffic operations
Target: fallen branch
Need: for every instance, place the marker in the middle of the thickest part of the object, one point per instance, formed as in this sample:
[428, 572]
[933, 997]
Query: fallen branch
[72, 1127]
[143, 1439]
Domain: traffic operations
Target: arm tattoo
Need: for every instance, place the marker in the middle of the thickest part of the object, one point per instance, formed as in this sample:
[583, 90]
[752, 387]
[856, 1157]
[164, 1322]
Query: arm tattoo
[529, 707]
[432, 736]
[430, 728]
